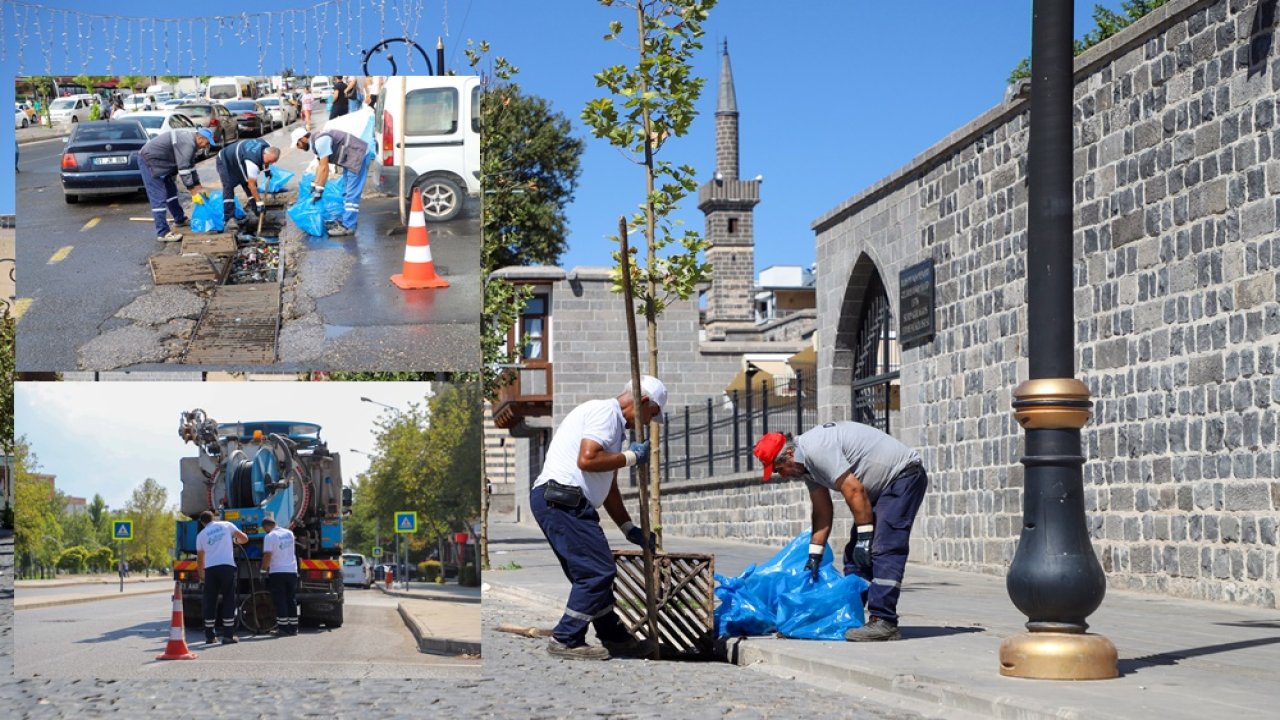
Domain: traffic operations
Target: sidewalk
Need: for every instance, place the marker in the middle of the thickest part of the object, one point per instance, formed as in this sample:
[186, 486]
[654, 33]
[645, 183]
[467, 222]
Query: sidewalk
[72, 597]
[444, 619]
[1178, 658]
[36, 133]
[102, 579]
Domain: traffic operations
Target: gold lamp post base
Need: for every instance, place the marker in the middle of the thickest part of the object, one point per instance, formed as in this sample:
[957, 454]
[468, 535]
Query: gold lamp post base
[1058, 656]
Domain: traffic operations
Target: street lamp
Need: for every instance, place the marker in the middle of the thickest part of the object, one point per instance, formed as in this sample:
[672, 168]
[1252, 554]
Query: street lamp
[1055, 578]
[389, 407]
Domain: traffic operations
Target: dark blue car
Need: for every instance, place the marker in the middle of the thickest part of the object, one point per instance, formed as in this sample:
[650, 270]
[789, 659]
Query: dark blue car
[101, 158]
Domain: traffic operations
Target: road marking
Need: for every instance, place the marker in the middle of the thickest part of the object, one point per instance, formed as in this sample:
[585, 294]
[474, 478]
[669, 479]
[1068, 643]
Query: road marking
[90, 225]
[20, 306]
[61, 254]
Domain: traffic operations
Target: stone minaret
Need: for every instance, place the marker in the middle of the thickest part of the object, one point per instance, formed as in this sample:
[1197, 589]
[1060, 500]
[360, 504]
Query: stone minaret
[727, 202]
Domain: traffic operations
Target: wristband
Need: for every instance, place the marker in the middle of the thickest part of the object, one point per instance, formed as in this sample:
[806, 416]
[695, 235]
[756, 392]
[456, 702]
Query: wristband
[865, 528]
[626, 527]
[817, 549]
[630, 458]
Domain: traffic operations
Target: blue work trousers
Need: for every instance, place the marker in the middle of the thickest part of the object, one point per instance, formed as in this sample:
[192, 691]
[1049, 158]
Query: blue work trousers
[229, 185]
[352, 188]
[162, 193]
[895, 511]
[219, 601]
[580, 545]
[284, 593]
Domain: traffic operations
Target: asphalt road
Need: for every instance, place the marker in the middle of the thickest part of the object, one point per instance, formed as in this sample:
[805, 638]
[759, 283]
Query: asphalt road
[82, 263]
[118, 638]
[96, 588]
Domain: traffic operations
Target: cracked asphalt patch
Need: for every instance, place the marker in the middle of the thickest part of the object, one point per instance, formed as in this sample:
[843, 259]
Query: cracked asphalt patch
[123, 347]
[165, 303]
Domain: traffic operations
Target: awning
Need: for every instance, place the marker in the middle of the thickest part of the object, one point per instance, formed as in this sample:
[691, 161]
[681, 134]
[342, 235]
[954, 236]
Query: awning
[777, 373]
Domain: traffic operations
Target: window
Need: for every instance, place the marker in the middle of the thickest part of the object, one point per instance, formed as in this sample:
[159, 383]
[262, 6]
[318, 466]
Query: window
[533, 324]
[475, 109]
[733, 225]
[433, 111]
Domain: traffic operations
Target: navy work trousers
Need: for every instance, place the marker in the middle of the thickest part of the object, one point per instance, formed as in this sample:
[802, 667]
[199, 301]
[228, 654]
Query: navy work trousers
[580, 545]
[219, 582]
[162, 193]
[284, 593]
[895, 511]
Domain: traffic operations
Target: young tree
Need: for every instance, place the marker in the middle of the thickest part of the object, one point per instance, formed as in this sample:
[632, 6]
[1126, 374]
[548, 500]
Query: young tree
[648, 104]
[37, 532]
[152, 525]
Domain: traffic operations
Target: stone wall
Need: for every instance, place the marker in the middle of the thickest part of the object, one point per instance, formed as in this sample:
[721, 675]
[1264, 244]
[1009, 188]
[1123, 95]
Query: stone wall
[1177, 196]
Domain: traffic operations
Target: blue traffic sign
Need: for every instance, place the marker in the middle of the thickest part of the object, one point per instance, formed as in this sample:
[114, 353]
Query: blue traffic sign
[122, 530]
[377, 552]
[406, 522]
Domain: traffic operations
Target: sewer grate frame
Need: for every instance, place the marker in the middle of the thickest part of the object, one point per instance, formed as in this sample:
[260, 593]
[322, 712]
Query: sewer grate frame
[229, 304]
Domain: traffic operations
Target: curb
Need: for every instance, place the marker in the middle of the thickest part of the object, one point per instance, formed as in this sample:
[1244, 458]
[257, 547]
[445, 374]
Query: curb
[71, 582]
[409, 594]
[28, 141]
[36, 604]
[436, 645]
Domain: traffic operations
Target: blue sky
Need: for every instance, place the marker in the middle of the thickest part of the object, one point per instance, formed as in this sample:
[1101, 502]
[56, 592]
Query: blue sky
[833, 94]
[107, 437]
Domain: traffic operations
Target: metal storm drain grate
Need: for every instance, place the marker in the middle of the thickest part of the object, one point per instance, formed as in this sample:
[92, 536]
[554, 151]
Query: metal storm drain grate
[216, 245]
[240, 325]
[685, 600]
[170, 269]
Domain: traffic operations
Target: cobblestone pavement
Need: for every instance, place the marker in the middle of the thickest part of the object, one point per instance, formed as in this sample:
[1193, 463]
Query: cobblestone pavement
[523, 681]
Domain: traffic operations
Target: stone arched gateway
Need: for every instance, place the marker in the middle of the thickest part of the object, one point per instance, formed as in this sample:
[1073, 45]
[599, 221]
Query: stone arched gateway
[865, 362]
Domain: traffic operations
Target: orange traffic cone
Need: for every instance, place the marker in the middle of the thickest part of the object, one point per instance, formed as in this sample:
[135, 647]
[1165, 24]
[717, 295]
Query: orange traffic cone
[177, 647]
[419, 270]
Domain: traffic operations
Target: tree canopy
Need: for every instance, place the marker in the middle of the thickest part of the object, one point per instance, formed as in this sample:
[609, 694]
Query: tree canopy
[1106, 23]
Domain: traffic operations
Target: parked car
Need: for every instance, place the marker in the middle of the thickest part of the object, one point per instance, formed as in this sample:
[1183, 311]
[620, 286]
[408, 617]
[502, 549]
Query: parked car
[20, 118]
[171, 104]
[251, 117]
[101, 158]
[282, 111]
[158, 121]
[214, 116]
[357, 570]
[70, 109]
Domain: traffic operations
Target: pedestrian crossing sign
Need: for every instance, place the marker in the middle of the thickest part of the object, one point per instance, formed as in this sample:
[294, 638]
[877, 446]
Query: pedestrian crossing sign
[406, 522]
[123, 530]
[377, 552]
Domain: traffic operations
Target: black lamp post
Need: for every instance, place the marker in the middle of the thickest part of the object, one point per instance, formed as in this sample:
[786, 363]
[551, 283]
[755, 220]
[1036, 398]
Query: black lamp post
[1055, 578]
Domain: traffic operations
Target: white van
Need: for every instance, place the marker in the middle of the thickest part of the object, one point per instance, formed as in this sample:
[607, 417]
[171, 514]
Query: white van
[439, 120]
[70, 109]
[322, 87]
[237, 87]
[357, 570]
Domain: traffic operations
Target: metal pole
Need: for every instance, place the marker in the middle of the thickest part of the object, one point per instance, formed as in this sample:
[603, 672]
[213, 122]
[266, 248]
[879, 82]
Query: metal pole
[666, 449]
[750, 434]
[764, 407]
[404, 117]
[1055, 578]
[737, 441]
[120, 565]
[688, 445]
[799, 404]
[711, 439]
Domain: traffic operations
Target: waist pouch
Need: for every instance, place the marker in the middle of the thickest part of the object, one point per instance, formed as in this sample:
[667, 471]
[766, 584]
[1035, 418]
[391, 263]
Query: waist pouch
[565, 496]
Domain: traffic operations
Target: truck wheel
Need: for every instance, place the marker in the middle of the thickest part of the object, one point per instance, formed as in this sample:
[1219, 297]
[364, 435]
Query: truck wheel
[192, 614]
[442, 199]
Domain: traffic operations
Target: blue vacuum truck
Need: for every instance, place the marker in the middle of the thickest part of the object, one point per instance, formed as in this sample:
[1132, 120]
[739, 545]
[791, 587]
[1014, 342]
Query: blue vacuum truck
[244, 472]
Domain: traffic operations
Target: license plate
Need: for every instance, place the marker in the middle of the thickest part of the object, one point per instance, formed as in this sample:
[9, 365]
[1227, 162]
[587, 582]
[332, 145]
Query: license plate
[114, 160]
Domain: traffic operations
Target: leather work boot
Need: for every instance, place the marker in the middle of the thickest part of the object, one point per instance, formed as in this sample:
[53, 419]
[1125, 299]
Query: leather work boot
[629, 648]
[876, 630]
[577, 652]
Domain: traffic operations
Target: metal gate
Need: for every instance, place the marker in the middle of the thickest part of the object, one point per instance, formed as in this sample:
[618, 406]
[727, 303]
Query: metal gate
[875, 361]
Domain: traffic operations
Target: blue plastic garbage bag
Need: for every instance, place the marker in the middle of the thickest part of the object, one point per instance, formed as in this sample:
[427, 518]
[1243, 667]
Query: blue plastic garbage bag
[780, 596]
[330, 200]
[207, 216]
[279, 179]
[305, 182]
[308, 216]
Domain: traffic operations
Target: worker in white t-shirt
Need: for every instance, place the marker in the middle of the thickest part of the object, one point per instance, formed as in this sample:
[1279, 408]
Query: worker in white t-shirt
[280, 563]
[579, 475]
[216, 564]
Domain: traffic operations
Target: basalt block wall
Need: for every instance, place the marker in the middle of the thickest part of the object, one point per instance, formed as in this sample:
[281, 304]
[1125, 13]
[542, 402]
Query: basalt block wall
[1177, 197]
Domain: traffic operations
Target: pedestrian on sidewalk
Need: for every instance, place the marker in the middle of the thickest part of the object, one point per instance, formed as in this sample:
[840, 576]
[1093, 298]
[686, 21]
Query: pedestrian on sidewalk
[280, 563]
[168, 155]
[343, 92]
[579, 475]
[308, 102]
[347, 152]
[240, 165]
[216, 565]
[882, 481]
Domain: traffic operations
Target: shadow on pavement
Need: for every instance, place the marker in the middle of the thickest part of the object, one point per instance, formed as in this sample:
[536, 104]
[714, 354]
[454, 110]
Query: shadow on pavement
[922, 632]
[1130, 666]
[151, 630]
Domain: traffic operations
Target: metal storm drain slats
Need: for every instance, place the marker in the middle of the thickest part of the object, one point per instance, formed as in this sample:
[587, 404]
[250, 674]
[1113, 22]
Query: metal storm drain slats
[170, 269]
[216, 245]
[240, 325]
[685, 600]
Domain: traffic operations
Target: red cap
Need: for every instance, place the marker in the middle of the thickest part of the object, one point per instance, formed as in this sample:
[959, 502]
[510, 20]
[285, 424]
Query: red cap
[767, 451]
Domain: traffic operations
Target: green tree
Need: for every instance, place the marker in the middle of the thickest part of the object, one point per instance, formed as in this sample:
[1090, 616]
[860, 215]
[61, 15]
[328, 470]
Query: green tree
[152, 525]
[74, 559]
[1106, 23]
[37, 532]
[6, 380]
[102, 560]
[78, 529]
[648, 104]
[84, 81]
[132, 82]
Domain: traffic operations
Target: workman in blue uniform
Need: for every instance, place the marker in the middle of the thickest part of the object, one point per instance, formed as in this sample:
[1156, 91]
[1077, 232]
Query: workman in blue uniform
[245, 164]
[216, 565]
[347, 152]
[882, 481]
[170, 154]
[579, 475]
[280, 564]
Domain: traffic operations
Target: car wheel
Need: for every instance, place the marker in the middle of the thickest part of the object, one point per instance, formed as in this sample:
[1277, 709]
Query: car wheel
[71, 199]
[24, 123]
[442, 199]
[75, 119]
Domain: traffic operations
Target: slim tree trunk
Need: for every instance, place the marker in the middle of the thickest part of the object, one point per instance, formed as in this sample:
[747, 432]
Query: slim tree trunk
[484, 524]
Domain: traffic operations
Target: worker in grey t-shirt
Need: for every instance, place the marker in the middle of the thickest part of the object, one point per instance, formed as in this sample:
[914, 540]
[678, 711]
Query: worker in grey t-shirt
[882, 481]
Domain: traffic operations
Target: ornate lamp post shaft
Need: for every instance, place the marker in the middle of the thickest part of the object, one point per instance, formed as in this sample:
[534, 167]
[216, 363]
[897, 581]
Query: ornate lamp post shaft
[1055, 578]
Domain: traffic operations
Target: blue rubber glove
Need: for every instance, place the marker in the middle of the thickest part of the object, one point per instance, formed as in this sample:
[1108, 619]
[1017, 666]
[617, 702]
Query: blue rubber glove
[641, 453]
[636, 536]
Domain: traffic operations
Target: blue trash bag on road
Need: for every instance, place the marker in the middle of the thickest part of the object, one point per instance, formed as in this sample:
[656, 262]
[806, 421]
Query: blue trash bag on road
[330, 200]
[279, 180]
[780, 596]
[207, 216]
[309, 217]
[305, 183]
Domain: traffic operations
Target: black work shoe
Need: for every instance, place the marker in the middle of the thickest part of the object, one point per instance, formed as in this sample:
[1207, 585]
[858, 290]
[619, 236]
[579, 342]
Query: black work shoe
[629, 648]
[230, 640]
[876, 630]
[210, 639]
[577, 652]
[337, 229]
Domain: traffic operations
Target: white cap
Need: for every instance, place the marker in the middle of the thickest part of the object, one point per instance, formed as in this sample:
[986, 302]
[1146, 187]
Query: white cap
[652, 388]
[297, 134]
